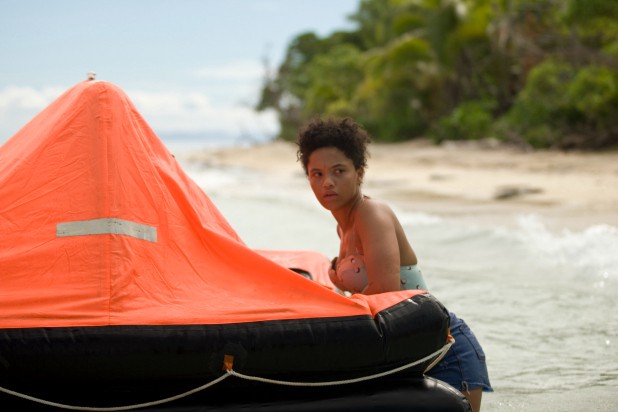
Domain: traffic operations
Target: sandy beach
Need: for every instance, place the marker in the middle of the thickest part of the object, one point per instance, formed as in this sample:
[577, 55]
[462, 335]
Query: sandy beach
[481, 181]
[547, 283]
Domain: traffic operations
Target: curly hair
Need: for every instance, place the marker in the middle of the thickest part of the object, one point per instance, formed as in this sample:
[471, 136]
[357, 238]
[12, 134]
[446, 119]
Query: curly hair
[344, 134]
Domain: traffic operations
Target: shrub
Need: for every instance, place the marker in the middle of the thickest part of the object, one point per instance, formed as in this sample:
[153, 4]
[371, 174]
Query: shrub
[470, 120]
[567, 107]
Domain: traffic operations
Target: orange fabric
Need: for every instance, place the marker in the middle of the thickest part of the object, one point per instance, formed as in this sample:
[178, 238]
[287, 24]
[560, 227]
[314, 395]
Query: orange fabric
[90, 155]
[310, 261]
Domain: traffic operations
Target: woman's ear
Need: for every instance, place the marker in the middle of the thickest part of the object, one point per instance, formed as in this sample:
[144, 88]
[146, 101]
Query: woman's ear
[360, 174]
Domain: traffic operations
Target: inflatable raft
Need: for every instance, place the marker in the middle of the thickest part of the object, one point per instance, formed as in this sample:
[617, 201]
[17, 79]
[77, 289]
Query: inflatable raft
[122, 284]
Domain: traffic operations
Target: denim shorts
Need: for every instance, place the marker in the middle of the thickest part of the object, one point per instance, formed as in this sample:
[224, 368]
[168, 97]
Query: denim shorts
[463, 367]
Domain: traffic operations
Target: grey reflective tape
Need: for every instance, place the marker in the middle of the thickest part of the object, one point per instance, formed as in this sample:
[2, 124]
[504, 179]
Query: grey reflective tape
[103, 226]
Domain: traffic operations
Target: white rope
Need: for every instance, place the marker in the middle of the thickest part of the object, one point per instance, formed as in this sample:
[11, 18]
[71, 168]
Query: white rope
[439, 352]
[113, 408]
[451, 342]
[231, 372]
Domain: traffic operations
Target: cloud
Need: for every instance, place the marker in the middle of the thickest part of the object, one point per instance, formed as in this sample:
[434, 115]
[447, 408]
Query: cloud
[167, 112]
[27, 97]
[170, 112]
[18, 105]
[233, 83]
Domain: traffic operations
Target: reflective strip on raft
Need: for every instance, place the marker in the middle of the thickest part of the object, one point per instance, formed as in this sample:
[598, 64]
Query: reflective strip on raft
[110, 226]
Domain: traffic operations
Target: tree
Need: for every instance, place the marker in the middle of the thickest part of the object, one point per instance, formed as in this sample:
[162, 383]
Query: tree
[520, 70]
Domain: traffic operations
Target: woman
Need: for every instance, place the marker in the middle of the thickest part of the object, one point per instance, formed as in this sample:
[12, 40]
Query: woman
[374, 254]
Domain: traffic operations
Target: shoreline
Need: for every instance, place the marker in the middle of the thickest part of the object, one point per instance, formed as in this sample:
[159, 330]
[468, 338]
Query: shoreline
[482, 185]
[477, 181]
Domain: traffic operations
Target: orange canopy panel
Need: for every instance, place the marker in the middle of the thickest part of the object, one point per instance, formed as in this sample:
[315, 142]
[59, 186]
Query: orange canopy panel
[99, 225]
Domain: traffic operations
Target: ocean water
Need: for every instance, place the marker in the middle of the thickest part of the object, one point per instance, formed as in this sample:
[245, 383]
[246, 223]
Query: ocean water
[543, 303]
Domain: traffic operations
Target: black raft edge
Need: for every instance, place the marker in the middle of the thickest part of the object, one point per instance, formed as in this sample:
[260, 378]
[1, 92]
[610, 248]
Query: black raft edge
[163, 356]
[384, 394]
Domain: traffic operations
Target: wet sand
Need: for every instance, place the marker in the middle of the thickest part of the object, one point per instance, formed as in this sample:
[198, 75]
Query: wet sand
[481, 181]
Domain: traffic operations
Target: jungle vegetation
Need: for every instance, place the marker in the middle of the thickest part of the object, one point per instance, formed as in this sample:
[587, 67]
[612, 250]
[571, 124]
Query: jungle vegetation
[540, 73]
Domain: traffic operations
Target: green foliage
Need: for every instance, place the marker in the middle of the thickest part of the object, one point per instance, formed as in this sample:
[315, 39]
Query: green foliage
[469, 121]
[390, 100]
[561, 101]
[541, 72]
[593, 94]
[375, 21]
[333, 77]
[595, 22]
[584, 10]
[543, 97]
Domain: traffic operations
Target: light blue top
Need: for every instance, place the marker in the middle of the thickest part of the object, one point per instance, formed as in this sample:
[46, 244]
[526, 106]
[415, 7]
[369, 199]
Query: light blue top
[351, 275]
[412, 278]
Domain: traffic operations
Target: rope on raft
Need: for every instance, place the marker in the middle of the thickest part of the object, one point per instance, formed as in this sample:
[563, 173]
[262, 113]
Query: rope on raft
[440, 352]
[231, 372]
[113, 408]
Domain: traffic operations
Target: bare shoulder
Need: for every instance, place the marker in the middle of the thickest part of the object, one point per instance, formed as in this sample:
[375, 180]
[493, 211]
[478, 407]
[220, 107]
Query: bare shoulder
[371, 205]
[373, 211]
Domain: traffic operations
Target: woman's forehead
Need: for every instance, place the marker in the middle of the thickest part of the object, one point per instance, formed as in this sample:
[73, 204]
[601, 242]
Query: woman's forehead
[328, 156]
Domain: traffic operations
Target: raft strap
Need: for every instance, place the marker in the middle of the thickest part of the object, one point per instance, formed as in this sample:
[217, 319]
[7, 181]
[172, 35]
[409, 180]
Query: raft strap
[440, 353]
[227, 366]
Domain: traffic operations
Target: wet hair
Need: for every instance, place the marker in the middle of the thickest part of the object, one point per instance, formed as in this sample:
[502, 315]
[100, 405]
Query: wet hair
[344, 134]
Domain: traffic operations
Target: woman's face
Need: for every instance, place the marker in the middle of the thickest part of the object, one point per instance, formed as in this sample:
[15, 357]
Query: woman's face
[332, 176]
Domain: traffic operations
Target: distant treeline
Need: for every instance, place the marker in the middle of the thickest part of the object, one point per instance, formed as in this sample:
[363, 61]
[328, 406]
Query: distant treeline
[541, 73]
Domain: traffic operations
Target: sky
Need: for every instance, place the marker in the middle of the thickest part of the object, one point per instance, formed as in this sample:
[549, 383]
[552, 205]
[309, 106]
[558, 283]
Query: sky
[191, 67]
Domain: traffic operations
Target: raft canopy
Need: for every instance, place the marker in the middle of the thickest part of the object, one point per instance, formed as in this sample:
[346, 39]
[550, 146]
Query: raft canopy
[99, 225]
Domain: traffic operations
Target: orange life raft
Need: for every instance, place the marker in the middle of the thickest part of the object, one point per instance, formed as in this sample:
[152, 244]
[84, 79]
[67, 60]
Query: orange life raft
[118, 271]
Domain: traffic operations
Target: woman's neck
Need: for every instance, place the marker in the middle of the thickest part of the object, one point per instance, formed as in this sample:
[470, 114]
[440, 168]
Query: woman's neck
[345, 216]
